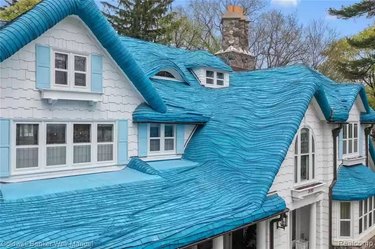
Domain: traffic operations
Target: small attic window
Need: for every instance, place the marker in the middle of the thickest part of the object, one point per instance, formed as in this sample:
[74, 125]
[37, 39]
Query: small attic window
[215, 79]
[168, 74]
[165, 74]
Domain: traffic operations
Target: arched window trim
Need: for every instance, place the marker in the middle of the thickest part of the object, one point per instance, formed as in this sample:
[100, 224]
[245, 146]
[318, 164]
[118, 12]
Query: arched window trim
[174, 73]
[309, 156]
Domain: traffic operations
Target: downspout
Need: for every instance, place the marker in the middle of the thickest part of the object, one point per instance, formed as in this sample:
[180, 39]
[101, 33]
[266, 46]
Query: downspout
[367, 133]
[335, 134]
[272, 226]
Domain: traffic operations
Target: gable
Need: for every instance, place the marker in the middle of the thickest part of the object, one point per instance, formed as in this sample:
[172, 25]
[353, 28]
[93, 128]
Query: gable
[48, 13]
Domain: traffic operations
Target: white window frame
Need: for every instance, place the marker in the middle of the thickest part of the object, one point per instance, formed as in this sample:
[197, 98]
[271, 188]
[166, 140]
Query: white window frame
[71, 72]
[297, 157]
[56, 145]
[353, 140]
[366, 216]
[162, 140]
[215, 78]
[105, 143]
[42, 145]
[345, 220]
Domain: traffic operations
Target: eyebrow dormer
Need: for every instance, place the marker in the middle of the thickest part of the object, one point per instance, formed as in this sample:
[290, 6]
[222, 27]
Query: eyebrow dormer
[168, 74]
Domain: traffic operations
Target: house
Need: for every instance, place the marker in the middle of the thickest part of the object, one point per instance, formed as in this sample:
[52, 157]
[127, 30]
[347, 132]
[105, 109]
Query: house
[112, 142]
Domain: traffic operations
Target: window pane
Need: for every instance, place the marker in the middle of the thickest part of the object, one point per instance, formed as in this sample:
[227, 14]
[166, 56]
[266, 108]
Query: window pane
[169, 131]
[313, 144]
[154, 130]
[305, 140]
[56, 133]
[355, 149]
[296, 146]
[350, 128]
[155, 145]
[56, 155]
[345, 210]
[220, 82]
[61, 78]
[345, 228]
[80, 63]
[169, 144]
[344, 147]
[27, 134]
[360, 226]
[360, 208]
[350, 149]
[209, 81]
[313, 166]
[82, 133]
[26, 158]
[61, 61]
[105, 133]
[209, 74]
[305, 167]
[355, 130]
[295, 168]
[370, 220]
[105, 152]
[220, 76]
[82, 154]
[345, 131]
[80, 79]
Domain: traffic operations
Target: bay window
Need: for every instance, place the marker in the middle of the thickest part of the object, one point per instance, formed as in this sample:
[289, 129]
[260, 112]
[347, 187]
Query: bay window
[366, 214]
[304, 159]
[350, 139]
[52, 145]
[162, 138]
[70, 70]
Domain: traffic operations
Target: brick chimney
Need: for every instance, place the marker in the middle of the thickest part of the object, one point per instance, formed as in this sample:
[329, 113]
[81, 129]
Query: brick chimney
[235, 40]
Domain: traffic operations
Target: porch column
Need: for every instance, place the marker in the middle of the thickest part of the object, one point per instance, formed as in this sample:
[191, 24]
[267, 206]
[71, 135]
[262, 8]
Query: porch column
[262, 235]
[218, 243]
[312, 235]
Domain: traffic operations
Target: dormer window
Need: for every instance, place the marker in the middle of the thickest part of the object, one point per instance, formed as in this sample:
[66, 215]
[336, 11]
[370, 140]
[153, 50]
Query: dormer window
[212, 78]
[169, 74]
[70, 70]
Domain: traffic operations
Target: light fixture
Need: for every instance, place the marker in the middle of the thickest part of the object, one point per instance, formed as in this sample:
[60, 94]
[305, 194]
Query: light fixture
[283, 221]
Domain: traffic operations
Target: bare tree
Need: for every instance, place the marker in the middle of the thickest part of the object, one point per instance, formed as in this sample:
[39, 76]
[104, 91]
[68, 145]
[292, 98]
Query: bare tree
[317, 38]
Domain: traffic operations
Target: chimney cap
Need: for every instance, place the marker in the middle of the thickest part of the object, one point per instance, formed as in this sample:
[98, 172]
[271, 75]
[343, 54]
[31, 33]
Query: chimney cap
[235, 12]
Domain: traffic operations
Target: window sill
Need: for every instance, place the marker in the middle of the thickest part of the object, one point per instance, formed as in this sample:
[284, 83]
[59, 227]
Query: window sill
[355, 160]
[52, 96]
[303, 191]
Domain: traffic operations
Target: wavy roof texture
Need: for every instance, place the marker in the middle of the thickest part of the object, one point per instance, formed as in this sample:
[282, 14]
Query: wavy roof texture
[248, 128]
[48, 13]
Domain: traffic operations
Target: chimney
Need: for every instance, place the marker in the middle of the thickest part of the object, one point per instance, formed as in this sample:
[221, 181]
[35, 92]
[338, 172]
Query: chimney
[235, 40]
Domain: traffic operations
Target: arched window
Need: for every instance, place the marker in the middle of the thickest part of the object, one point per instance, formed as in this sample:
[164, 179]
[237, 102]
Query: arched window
[304, 159]
[165, 74]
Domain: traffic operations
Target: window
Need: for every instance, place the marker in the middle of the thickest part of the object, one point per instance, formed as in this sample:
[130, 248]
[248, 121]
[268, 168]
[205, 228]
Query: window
[27, 145]
[70, 70]
[165, 74]
[304, 159]
[105, 142]
[47, 145]
[162, 139]
[56, 144]
[350, 139]
[82, 143]
[214, 78]
[345, 219]
[366, 214]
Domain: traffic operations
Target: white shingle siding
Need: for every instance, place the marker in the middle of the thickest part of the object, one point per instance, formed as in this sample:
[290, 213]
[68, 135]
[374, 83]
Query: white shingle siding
[20, 100]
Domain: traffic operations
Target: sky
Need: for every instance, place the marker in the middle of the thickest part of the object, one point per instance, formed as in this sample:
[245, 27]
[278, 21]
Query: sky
[307, 10]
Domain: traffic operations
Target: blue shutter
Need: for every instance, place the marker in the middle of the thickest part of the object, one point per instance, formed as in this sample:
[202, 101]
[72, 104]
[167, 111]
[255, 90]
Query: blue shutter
[43, 67]
[122, 148]
[361, 139]
[4, 147]
[180, 134]
[142, 139]
[339, 155]
[97, 73]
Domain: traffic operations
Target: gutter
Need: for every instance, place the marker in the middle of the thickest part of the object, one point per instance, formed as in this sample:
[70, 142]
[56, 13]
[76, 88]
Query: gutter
[335, 134]
[367, 133]
[237, 228]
